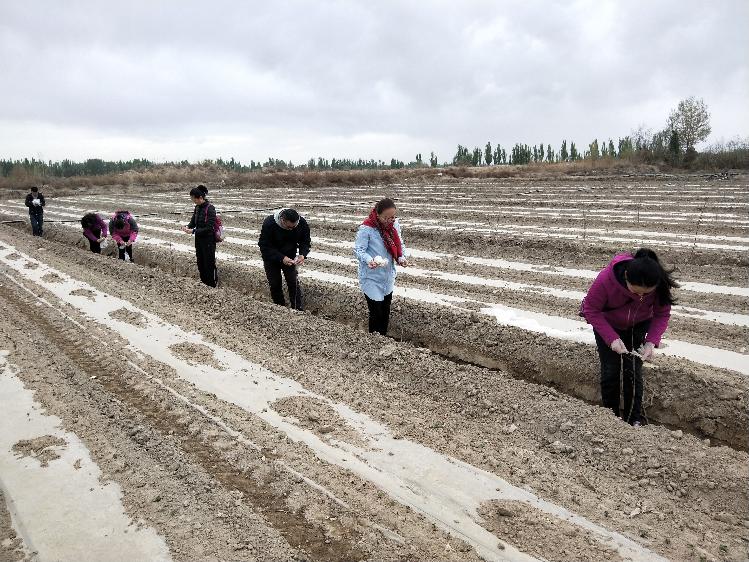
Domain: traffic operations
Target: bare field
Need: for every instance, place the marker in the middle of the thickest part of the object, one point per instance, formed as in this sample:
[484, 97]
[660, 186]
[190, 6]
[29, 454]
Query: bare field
[209, 424]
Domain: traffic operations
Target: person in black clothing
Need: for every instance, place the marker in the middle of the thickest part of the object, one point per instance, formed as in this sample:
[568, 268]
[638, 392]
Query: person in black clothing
[202, 226]
[35, 203]
[283, 235]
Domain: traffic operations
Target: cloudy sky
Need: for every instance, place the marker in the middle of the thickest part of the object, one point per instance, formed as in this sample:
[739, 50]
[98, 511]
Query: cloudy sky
[371, 78]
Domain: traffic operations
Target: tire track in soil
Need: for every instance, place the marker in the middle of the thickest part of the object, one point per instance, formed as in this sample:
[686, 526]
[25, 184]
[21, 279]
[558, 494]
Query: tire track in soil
[292, 525]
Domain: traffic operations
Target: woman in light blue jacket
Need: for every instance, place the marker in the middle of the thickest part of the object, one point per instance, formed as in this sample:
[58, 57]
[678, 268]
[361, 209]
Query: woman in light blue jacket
[378, 247]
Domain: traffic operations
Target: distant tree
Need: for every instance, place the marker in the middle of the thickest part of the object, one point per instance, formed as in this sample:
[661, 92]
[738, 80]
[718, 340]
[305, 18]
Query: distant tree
[462, 157]
[432, 160]
[593, 150]
[563, 155]
[549, 154]
[574, 154]
[626, 148]
[691, 121]
[488, 154]
[476, 157]
[612, 150]
[674, 147]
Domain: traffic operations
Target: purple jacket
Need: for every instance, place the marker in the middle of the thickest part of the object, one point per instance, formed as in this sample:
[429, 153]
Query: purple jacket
[99, 225]
[609, 306]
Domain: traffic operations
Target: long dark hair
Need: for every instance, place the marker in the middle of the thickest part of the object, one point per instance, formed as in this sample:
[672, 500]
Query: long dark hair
[646, 270]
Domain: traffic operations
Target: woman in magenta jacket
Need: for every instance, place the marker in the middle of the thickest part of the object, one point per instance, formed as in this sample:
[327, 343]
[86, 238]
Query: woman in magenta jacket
[628, 305]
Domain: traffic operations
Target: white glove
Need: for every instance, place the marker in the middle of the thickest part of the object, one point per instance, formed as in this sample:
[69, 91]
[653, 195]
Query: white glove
[36, 202]
[647, 351]
[618, 346]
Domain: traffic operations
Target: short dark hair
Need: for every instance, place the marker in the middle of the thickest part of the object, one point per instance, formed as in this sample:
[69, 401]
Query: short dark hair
[204, 189]
[290, 215]
[119, 222]
[197, 192]
[35, 189]
[384, 205]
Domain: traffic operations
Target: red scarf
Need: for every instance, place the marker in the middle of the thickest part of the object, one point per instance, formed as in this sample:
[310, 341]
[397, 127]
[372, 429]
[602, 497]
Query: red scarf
[389, 234]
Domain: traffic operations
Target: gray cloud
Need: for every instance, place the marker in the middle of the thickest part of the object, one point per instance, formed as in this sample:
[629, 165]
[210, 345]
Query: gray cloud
[297, 79]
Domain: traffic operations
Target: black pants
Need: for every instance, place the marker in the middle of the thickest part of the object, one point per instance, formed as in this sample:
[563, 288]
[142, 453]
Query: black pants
[379, 314]
[94, 244]
[37, 223]
[626, 367]
[273, 272]
[205, 252]
[126, 250]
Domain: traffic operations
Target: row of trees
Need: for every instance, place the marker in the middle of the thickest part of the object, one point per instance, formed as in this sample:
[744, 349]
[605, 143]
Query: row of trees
[687, 125]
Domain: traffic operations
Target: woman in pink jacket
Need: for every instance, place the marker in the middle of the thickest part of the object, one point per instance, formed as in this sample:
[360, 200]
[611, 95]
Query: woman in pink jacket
[124, 231]
[628, 305]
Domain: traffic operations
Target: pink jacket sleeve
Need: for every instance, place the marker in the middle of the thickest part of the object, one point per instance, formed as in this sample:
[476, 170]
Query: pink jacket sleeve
[659, 323]
[90, 235]
[593, 306]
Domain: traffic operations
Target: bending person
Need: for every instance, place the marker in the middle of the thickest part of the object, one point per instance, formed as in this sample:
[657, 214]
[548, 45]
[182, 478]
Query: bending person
[124, 231]
[283, 235]
[378, 247]
[629, 306]
[95, 230]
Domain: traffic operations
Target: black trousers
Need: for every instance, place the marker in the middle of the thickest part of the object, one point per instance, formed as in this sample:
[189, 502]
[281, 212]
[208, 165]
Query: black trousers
[37, 224]
[94, 244]
[621, 375]
[126, 250]
[205, 252]
[379, 314]
[273, 272]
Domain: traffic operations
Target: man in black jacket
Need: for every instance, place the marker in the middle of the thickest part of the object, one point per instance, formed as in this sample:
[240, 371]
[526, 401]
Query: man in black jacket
[283, 235]
[35, 203]
[201, 225]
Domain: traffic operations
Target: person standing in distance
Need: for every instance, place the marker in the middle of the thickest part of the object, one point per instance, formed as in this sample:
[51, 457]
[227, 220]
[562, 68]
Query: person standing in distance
[35, 202]
[202, 227]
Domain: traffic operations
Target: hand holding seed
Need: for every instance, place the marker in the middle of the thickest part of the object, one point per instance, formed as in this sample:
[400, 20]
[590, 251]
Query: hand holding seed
[647, 351]
[618, 346]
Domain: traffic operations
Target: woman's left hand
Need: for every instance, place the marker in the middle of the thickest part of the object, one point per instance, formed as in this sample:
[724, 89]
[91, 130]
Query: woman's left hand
[403, 262]
[647, 351]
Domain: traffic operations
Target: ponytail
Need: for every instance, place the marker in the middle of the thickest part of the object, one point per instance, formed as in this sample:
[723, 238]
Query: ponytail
[646, 270]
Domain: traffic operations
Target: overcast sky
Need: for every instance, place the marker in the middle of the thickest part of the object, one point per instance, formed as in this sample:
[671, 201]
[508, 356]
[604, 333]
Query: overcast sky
[192, 80]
